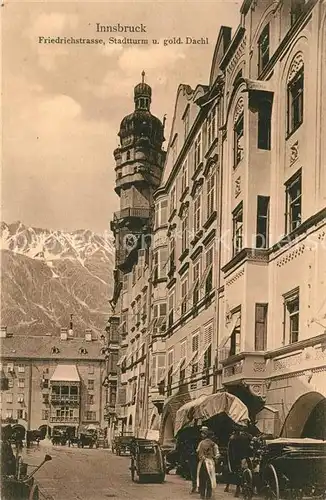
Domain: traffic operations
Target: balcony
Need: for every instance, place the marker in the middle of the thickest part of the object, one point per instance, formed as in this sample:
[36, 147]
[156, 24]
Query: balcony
[65, 420]
[70, 399]
[157, 398]
[244, 366]
[126, 213]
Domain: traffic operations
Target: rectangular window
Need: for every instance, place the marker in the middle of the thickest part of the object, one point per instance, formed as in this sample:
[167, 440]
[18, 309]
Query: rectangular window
[184, 233]
[10, 383]
[261, 327]
[195, 343]
[238, 140]
[184, 293]
[197, 212]
[183, 348]
[20, 398]
[20, 414]
[209, 279]
[210, 195]
[9, 414]
[237, 229]
[294, 203]
[90, 369]
[21, 383]
[161, 213]
[45, 383]
[9, 397]
[170, 358]
[45, 398]
[235, 339]
[171, 310]
[295, 102]
[90, 385]
[90, 399]
[263, 49]
[172, 266]
[292, 313]
[173, 201]
[45, 414]
[197, 150]
[91, 415]
[196, 278]
[184, 177]
[211, 126]
[21, 368]
[262, 231]
[264, 125]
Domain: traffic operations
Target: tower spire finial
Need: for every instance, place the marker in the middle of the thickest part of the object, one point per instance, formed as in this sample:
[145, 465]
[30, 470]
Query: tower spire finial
[143, 76]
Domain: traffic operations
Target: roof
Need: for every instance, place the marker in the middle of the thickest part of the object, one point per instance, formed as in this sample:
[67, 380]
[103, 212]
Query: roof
[50, 347]
[65, 373]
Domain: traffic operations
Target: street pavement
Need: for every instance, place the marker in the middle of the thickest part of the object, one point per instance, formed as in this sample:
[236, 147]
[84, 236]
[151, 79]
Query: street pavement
[97, 474]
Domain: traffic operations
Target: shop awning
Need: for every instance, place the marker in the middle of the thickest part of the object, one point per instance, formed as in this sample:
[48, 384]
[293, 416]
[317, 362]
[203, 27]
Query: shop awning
[207, 407]
[65, 373]
[184, 414]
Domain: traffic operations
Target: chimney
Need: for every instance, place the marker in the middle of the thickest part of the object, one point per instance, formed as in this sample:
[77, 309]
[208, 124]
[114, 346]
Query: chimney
[88, 335]
[3, 332]
[64, 333]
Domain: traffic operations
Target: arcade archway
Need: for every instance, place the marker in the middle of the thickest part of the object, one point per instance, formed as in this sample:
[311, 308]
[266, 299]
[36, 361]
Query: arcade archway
[168, 430]
[307, 417]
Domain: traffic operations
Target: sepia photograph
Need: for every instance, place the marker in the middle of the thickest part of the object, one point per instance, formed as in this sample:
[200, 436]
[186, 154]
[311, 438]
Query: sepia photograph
[163, 249]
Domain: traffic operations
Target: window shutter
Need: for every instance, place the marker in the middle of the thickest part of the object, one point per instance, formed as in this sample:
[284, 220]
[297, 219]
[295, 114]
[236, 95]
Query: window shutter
[208, 334]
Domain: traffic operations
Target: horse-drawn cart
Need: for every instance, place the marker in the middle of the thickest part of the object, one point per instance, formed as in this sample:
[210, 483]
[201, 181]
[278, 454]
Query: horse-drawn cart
[294, 469]
[20, 485]
[147, 462]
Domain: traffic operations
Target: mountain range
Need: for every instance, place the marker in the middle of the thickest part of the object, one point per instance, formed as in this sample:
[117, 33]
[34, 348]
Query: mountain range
[46, 275]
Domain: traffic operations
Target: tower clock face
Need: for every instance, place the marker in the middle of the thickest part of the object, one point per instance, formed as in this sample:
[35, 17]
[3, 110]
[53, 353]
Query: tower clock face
[130, 241]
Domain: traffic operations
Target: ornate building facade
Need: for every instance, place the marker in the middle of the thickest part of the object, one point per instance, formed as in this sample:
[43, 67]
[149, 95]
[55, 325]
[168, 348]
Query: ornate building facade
[53, 381]
[230, 294]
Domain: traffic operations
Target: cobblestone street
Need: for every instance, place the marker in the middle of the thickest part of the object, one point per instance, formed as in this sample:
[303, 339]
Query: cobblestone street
[87, 474]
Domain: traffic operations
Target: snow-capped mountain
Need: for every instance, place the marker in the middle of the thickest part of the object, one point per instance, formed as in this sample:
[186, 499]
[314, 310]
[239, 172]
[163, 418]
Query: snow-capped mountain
[48, 275]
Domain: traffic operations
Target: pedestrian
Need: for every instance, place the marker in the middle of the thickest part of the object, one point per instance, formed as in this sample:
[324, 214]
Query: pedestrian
[192, 458]
[208, 453]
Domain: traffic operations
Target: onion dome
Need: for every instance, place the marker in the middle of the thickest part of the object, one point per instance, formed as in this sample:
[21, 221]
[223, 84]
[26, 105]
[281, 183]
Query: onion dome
[141, 124]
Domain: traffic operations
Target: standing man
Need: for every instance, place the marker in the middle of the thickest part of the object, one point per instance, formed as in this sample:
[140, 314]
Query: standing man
[208, 453]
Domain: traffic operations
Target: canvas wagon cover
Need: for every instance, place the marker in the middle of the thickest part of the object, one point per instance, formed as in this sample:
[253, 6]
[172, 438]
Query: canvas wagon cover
[206, 407]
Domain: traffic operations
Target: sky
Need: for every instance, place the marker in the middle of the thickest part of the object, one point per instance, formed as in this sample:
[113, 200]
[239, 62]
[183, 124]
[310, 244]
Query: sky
[62, 104]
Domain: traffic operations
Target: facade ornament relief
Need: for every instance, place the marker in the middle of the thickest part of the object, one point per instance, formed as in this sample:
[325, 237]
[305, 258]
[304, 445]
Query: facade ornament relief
[238, 109]
[294, 153]
[290, 255]
[237, 187]
[235, 277]
[228, 315]
[296, 66]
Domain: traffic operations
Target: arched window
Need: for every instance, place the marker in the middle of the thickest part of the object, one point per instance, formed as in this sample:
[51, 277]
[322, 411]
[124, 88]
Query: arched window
[295, 87]
[238, 121]
[263, 49]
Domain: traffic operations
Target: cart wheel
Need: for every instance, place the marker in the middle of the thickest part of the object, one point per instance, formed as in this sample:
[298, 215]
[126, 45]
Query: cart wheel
[34, 493]
[271, 485]
[247, 484]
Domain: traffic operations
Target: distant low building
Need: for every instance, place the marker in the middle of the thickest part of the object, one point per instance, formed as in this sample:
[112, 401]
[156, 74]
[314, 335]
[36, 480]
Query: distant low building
[52, 382]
